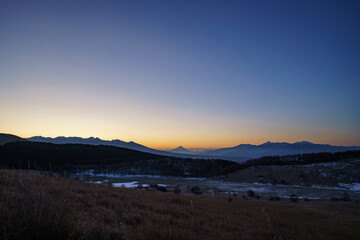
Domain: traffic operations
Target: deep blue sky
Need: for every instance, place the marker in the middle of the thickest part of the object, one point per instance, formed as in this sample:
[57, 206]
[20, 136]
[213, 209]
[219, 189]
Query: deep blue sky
[192, 73]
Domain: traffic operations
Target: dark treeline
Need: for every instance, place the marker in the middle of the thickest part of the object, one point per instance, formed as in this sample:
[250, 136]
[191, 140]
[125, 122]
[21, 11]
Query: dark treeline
[109, 159]
[115, 160]
[301, 159]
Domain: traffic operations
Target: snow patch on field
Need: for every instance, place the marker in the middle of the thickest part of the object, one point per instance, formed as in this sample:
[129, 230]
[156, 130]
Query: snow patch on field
[334, 165]
[129, 184]
[126, 184]
[350, 186]
[97, 182]
[119, 175]
[341, 186]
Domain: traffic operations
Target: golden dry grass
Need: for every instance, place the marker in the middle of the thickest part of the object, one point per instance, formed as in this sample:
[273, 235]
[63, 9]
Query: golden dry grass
[33, 206]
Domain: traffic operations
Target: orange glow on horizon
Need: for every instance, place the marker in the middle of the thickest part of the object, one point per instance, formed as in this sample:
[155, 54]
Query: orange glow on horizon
[153, 127]
[195, 144]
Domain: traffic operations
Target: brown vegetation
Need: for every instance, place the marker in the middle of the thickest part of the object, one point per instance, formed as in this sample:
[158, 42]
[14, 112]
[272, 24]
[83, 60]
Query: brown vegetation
[347, 171]
[33, 206]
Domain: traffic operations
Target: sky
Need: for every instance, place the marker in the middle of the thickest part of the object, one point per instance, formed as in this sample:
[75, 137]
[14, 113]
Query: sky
[201, 74]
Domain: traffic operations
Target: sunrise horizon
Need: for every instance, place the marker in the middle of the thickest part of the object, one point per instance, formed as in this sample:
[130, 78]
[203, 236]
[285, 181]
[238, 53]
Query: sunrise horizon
[236, 119]
[174, 145]
[182, 73]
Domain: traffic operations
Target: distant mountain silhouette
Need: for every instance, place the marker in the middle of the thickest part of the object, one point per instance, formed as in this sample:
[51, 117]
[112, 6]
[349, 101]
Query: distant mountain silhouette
[182, 150]
[72, 158]
[117, 143]
[92, 141]
[248, 151]
[238, 153]
[6, 138]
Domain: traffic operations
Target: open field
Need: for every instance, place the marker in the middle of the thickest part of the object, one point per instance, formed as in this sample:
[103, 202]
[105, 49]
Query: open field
[326, 173]
[33, 206]
[224, 186]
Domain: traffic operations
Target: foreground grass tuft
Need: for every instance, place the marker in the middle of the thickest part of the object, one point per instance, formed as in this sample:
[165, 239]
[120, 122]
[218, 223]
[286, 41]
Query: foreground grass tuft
[33, 206]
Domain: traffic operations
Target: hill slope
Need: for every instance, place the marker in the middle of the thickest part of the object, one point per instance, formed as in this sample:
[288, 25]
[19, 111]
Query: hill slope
[7, 138]
[80, 157]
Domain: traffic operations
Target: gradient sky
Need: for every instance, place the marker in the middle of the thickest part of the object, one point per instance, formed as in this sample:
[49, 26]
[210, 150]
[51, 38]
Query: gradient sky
[201, 74]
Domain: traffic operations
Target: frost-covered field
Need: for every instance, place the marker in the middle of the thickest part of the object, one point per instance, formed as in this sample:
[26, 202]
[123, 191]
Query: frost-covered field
[312, 181]
[223, 187]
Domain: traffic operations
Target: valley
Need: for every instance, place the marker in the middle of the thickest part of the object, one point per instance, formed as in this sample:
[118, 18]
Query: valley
[82, 191]
[312, 181]
[311, 176]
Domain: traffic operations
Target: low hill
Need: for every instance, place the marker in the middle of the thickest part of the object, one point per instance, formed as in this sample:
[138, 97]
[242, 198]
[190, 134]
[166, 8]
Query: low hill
[100, 158]
[302, 159]
[7, 138]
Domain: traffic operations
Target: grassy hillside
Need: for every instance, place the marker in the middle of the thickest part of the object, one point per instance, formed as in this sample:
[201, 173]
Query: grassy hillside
[80, 157]
[301, 159]
[330, 174]
[40, 207]
[300, 169]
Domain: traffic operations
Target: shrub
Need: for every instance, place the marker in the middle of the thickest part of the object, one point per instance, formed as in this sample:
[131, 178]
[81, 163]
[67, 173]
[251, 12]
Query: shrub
[161, 189]
[195, 190]
[346, 197]
[293, 198]
[274, 198]
[251, 193]
[177, 190]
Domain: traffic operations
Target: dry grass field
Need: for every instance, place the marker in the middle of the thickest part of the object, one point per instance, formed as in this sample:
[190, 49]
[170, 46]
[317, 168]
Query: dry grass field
[331, 173]
[33, 206]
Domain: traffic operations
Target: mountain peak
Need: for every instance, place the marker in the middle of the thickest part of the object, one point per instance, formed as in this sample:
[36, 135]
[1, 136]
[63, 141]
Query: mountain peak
[132, 143]
[268, 143]
[181, 149]
[303, 142]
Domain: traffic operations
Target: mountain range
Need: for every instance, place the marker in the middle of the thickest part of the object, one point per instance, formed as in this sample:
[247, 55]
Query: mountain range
[238, 153]
[249, 151]
[116, 143]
